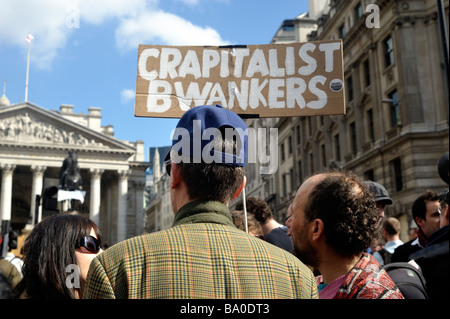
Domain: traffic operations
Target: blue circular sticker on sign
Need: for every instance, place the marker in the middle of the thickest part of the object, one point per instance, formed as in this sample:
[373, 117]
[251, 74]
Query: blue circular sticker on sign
[336, 85]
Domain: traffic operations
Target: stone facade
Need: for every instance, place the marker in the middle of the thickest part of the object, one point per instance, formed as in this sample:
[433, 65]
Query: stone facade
[396, 124]
[159, 213]
[34, 142]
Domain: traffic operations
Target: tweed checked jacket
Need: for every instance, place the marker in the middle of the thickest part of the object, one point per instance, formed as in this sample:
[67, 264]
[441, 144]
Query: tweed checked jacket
[203, 255]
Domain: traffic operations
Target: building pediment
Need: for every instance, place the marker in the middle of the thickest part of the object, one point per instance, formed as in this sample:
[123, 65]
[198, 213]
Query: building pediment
[29, 125]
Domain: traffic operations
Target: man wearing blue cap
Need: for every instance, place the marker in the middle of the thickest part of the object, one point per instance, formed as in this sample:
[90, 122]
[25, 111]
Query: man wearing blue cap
[203, 255]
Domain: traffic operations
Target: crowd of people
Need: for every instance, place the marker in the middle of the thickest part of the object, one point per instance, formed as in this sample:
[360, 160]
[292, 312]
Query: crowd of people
[323, 250]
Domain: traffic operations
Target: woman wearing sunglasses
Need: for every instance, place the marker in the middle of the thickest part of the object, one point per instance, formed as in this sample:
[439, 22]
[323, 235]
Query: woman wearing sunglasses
[57, 255]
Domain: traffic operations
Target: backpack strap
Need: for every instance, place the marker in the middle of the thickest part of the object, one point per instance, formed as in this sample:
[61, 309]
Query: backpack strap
[385, 255]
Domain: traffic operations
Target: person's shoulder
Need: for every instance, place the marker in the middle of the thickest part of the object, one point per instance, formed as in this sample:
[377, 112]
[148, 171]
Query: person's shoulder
[279, 231]
[276, 234]
[404, 247]
[377, 255]
[133, 245]
[6, 265]
[281, 254]
[409, 243]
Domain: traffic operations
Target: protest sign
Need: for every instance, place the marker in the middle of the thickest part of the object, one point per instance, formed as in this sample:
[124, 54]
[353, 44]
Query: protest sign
[275, 80]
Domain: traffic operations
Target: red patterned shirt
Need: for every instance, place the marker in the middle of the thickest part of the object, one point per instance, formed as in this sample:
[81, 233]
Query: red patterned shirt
[367, 280]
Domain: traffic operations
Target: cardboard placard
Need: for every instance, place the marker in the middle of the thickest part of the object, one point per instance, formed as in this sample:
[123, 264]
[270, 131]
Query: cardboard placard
[275, 80]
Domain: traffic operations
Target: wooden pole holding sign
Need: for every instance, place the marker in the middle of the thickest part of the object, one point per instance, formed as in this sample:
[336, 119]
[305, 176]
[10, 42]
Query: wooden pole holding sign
[275, 80]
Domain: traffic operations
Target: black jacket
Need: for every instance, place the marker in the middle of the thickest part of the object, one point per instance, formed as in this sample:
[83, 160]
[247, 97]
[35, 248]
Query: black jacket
[402, 253]
[434, 262]
[279, 237]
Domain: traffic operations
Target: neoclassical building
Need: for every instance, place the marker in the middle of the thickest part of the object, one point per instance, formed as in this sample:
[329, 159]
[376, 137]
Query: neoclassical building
[33, 145]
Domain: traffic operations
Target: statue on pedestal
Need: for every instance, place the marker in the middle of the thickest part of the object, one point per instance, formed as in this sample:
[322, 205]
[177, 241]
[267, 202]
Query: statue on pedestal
[70, 176]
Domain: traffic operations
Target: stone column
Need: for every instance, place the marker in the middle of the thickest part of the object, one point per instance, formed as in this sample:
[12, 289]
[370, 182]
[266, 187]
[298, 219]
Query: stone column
[6, 192]
[94, 208]
[140, 212]
[122, 205]
[36, 189]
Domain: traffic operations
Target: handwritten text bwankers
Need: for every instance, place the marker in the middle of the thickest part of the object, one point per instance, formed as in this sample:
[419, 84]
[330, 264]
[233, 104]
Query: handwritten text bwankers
[244, 78]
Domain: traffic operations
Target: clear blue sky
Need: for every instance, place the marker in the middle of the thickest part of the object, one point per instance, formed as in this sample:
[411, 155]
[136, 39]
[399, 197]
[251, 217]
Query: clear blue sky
[84, 52]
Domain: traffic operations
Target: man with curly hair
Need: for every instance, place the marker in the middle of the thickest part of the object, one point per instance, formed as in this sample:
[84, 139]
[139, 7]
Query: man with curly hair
[334, 220]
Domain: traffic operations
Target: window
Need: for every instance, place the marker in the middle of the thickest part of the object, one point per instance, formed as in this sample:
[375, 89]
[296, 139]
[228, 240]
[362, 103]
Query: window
[288, 25]
[337, 147]
[396, 166]
[341, 31]
[284, 185]
[309, 125]
[282, 152]
[291, 176]
[349, 89]
[323, 155]
[358, 11]
[388, 51]
[298, 135]
[395, 109]
[300, 172]
[366, 72]
[370, 125]
[290, 144]
[311, 163]
[353, 141]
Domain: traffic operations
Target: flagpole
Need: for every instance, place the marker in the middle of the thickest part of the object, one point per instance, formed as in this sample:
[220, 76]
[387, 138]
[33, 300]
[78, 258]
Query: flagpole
[28, 71]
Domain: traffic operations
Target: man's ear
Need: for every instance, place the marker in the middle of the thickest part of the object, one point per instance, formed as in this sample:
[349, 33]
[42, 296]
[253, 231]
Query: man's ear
[241, 187]
[317, 228]
[175, 175]
[419, 221]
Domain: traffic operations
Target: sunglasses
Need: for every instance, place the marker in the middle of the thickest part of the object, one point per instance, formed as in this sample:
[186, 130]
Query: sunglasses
[92, 244]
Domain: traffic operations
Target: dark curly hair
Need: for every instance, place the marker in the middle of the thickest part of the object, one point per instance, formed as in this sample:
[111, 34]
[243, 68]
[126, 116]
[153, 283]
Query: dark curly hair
[348, 210]
[258, 207]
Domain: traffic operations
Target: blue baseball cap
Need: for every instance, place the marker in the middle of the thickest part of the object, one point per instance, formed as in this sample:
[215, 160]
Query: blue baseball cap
[197, 128]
